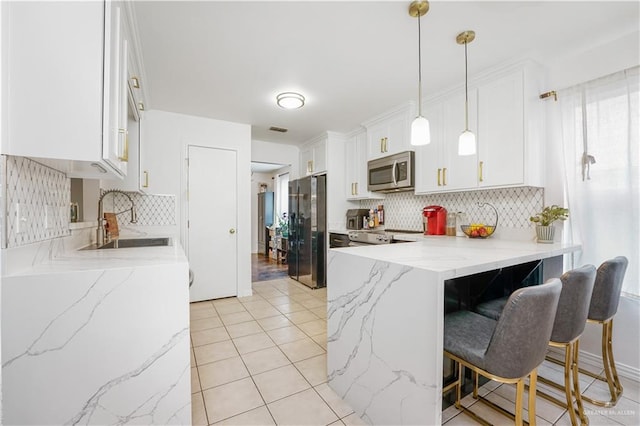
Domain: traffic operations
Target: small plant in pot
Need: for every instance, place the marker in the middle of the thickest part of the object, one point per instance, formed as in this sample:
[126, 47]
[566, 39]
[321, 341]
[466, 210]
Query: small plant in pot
[545, 230]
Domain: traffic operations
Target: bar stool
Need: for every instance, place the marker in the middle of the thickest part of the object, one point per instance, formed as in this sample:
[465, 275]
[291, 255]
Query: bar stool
[569, 323]
[508, 350]
[604, 306]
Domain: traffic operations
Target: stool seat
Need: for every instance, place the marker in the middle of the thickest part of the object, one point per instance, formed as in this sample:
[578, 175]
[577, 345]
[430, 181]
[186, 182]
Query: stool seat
[492, 308]
[509, 349]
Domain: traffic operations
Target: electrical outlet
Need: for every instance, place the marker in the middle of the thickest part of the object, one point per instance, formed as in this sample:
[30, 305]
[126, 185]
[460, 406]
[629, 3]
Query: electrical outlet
[49, 217]
[21, 218]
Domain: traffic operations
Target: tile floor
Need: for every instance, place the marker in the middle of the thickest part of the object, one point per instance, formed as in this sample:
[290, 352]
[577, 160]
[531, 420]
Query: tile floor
[261, 360]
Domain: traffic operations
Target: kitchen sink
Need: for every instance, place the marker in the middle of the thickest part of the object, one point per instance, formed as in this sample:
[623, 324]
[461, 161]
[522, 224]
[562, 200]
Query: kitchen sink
[136, 242]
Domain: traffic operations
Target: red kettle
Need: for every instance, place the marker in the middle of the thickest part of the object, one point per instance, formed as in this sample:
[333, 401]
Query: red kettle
[435, 220]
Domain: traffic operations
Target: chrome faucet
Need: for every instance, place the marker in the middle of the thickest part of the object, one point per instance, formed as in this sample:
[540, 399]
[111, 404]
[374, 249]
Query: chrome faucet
[100, 232]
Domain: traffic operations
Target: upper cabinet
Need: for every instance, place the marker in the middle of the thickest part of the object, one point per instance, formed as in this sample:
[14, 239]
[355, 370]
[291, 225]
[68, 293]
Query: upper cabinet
[355, 155]
[67, 89]
[313, 157]
[506, 116]
[389, 133]
[439, 168]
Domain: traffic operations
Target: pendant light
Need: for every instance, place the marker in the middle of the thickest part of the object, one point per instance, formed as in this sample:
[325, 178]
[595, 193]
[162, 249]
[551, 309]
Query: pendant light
[420, 133]
[467, 141]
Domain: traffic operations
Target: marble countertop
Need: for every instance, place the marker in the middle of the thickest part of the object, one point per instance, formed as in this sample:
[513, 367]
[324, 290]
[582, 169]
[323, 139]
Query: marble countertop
[458, 256]
[86, 260]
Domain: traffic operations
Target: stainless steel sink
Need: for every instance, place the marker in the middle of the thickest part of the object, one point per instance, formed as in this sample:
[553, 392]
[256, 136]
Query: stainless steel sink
[136, 242]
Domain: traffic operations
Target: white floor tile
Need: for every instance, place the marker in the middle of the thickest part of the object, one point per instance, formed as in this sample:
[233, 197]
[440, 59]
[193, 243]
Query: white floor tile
[314, 369]
[301, 349]
[264, 360]
[337, 404]
[304, 408]
[222, 372]
[231, 399]
[257, 417]
[253, 343]
[279, 383]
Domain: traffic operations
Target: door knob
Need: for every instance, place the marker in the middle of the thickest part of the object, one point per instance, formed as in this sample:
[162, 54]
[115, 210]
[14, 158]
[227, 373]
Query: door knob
[232, 231]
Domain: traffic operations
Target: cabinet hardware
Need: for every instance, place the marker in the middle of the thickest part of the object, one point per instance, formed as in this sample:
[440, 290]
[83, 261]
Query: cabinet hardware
[146, 179]
[480, 171]
[356, 189]
[444, 176]
[125, 146]
[381, 144]
[232, 231]
[310, 166]
[141, 106]
[135, 83]
[386, 146]
[439, 183]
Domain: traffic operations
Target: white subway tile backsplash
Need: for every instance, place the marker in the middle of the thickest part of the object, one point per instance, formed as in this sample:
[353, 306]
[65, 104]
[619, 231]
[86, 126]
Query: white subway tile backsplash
[514, 206]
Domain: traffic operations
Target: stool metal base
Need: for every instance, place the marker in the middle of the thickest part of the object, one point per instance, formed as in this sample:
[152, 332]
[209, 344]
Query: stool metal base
[615, 387]
[520, 388]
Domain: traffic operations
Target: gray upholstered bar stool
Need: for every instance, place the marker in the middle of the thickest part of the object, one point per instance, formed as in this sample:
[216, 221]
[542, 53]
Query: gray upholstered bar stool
[604, 306]
[508, 350]
[569, 323]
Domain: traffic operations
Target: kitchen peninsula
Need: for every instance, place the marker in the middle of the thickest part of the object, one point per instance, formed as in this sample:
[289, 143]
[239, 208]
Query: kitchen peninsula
[385, 318]
[97, 337]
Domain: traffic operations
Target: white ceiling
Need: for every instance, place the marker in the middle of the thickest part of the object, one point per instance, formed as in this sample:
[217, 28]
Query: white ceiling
[352, 60]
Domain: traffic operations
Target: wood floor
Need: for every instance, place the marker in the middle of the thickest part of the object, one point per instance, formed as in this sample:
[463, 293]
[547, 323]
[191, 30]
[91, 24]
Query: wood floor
[264, 268]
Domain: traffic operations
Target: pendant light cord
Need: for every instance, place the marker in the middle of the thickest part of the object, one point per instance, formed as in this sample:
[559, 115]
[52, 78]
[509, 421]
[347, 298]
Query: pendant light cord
[419, 70]
[466, 91]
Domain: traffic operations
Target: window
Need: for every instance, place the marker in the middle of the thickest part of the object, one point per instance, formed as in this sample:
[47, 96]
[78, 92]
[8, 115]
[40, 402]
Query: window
[600, 121]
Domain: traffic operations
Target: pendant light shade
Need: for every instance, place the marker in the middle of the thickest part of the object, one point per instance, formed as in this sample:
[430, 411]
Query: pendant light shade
[420, 131]
[467, 141]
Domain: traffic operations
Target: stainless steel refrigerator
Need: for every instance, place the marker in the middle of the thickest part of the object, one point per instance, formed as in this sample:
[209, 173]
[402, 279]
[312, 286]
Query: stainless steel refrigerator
[308, 230]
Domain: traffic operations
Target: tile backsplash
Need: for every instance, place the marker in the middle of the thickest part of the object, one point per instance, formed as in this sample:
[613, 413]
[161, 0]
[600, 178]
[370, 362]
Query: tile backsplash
[514, 206]
[153, 210]
[37, 197]
[36, 202]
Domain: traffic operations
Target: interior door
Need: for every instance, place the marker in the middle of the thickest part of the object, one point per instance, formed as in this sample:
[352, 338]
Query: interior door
[212, 222]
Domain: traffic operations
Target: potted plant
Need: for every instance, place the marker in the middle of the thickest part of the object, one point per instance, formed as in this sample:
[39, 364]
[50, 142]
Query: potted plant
[545, 231]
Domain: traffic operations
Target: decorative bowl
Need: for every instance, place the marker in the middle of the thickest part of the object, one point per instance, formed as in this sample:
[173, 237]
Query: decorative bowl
[478, 230]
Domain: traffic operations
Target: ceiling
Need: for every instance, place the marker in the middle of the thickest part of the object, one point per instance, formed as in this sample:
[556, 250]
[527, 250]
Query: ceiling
[351, 60]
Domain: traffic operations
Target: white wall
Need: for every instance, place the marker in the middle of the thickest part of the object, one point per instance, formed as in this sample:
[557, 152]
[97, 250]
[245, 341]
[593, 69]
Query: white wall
[256, 180]
[596, 61]
[276, 153]
[167, 136]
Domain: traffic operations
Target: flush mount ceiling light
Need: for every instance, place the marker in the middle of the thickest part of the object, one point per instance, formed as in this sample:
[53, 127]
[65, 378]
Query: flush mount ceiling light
[467, 141]
[290, 100]
[420, 132]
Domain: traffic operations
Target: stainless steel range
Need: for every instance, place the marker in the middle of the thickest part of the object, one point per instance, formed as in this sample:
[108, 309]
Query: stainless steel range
[361, 238]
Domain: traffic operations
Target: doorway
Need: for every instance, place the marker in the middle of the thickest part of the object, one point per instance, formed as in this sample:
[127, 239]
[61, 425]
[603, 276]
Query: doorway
[212, 222]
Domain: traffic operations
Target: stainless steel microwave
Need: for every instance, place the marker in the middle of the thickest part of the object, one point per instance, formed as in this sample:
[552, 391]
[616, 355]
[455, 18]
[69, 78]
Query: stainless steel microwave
[394, 173]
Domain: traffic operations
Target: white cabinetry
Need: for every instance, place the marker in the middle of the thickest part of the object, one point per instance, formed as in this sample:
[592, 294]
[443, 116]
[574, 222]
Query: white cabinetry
[66, 85]
[505, 114]
[136, 180]
[355, 154]
[389, 133]
[313, 157]
[439, 168]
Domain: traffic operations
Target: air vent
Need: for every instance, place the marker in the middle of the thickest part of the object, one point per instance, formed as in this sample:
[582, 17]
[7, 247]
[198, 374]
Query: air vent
[278, 129]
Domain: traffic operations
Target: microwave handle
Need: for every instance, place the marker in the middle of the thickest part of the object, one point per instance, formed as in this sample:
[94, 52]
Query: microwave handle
[395, 167]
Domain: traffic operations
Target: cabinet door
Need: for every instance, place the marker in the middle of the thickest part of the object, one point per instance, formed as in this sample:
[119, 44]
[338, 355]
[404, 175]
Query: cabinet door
[501, 131]
[351, 168]
[389, 136]
[458, 172]
[114, 144]
[320, 156]
[429, 161]
[306, 161]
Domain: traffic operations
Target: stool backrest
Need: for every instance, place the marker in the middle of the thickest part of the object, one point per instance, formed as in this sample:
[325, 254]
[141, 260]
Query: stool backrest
[573, 306]
[519, 341]
[607, 288]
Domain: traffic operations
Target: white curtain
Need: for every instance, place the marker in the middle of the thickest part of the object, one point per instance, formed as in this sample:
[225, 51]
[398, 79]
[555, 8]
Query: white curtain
[600, 127]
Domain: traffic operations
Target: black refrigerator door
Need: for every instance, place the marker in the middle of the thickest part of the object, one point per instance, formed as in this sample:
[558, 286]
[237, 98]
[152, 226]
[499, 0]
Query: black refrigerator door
[306, 210]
